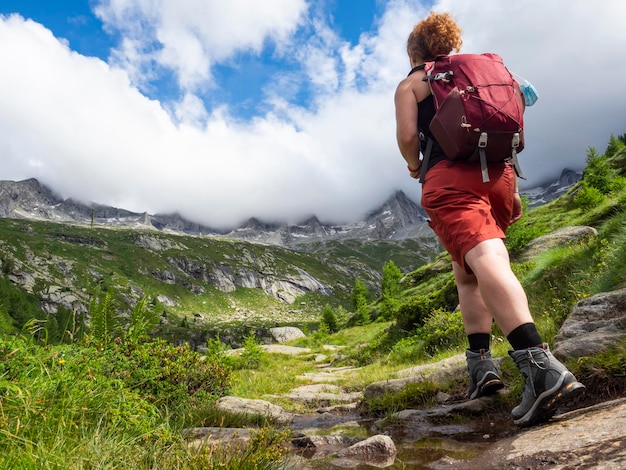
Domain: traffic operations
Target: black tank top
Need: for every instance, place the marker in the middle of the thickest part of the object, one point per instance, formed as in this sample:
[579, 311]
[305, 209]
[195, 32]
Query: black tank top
[425, 114]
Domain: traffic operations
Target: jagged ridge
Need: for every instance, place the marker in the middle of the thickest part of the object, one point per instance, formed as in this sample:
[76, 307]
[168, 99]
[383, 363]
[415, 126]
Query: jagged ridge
[399, 218]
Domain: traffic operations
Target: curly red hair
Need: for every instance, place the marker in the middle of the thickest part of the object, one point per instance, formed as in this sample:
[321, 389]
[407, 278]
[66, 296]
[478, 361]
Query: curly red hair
[437, 34]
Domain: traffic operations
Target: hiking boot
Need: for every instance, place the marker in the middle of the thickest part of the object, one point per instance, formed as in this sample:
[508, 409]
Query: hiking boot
[548, 385]
[484, 378]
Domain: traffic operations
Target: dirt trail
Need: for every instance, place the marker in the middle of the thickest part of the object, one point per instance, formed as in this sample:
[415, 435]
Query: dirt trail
[592, 437]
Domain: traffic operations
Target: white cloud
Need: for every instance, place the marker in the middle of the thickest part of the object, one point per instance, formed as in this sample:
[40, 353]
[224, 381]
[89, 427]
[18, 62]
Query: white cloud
[83, 126]
[190, 36]
[569, 50]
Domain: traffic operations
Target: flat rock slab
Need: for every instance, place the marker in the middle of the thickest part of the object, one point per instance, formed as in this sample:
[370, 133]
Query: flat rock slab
[593, 438]
[282, 349]
[213, 436]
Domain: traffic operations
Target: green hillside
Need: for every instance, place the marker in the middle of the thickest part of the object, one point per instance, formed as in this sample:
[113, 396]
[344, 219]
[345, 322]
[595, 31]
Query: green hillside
[114, 397]
[194, 283]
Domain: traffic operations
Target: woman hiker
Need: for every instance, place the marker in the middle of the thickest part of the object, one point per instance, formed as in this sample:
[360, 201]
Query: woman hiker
[470, 217]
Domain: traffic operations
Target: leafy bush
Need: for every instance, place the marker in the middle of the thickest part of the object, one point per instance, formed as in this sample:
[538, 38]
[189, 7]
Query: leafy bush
[442, 330]
[601, 174]
[588, 197]
[168, 376]
[406, 350]
[413, 312]
[252, 356]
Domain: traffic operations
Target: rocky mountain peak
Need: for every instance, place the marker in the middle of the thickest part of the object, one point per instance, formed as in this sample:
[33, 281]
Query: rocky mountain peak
[398, 218]
[551, 189]
[398, 212]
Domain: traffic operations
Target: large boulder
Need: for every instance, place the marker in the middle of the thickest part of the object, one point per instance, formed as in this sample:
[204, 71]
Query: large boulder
[555, 239]
[595, 324]
[285, 334]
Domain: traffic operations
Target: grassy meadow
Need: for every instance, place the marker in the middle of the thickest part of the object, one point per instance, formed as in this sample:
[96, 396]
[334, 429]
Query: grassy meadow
[110, 394]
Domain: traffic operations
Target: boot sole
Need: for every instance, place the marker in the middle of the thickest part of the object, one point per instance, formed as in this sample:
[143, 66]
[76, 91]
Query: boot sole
[549, 401]
[489, 387]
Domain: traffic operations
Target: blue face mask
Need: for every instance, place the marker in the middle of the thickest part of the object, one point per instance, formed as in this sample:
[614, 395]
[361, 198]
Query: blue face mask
[530, 93]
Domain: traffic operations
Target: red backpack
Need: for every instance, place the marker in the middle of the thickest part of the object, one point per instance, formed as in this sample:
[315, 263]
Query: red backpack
[479, 110]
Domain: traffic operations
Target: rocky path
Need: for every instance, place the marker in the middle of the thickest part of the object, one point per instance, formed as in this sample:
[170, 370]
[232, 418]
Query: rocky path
[333, 435]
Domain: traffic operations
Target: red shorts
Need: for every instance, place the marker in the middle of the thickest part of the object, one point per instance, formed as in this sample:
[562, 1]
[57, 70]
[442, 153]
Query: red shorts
[464, 210]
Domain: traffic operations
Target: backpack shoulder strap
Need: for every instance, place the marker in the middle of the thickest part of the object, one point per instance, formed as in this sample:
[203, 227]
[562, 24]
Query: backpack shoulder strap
[415, 69]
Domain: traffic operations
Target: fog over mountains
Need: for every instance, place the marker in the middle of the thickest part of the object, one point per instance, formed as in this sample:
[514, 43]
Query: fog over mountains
[398, 218]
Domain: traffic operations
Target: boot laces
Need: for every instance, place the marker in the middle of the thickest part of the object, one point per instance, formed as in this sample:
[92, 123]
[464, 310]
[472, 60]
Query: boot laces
[540, 366]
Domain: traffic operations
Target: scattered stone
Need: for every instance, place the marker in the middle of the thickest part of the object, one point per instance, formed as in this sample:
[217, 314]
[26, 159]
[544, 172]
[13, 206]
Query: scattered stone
[313, 423]
[379, 451]
[165, 300]
[324, 444]
[440, 420]
[234, 438]
[287, 350]
[452, 367]
[327, 374]
[246, 406]
[321, 395]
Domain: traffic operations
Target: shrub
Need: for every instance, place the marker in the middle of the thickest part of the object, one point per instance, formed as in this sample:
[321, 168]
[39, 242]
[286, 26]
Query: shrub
[599, 173]
[588, 197]
[252, 355]
[166, 375]
[329, 320]
[442, 330]
[414, 311]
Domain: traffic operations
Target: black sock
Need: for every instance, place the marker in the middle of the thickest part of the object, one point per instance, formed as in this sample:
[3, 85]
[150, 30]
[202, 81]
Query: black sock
[524, 336]
[478, 341]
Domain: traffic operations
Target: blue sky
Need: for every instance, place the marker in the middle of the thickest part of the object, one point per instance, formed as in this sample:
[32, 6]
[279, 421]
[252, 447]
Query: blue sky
[279, 109]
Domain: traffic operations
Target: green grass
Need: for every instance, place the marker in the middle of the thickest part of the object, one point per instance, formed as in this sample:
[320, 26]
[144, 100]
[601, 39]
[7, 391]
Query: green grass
[112, 399]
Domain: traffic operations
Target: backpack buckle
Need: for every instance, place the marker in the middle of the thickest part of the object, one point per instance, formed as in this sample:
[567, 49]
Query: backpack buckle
[445, 76]
[515, 141]
[482, 140]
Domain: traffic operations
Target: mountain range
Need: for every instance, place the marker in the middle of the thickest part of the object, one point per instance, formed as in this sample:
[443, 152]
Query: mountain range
[398, 218]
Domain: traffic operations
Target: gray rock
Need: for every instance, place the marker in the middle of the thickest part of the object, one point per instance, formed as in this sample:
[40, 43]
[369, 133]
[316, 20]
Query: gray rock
[322, 395]
[324, 444]
[451, 367]
[286, 350]
[284, 334]
[593, 438]
[246, 406]
[594, 324]
[234, 438]
[378, 450]
[555, 239]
